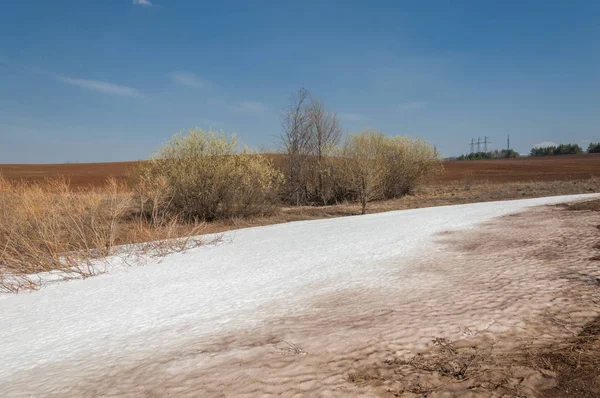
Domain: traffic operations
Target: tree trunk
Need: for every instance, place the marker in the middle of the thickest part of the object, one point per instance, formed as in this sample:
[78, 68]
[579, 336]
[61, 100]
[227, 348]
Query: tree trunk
[363, 202]
[363, 196]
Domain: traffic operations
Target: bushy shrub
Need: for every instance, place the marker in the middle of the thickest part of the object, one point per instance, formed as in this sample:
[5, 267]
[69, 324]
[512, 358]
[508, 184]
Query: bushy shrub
[363, 167]
[206, 176]
[375, 166]
[407, 162]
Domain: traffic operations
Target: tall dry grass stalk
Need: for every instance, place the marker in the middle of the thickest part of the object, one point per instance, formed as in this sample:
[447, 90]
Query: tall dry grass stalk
[51, 227]
[45, 227]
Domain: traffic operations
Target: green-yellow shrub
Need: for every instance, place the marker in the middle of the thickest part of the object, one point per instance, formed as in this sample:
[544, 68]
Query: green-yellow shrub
[205, 175]
[408, 162]
[376, 166]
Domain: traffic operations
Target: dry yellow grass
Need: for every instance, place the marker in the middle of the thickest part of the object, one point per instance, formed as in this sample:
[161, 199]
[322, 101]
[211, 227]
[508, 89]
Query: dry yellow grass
[51, 227]
[48, 226]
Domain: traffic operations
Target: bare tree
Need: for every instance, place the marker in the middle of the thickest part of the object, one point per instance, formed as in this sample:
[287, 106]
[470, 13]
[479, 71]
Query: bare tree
[294, 122]
[310, 134]
[324, 129]
[324, 134]
[295, 140]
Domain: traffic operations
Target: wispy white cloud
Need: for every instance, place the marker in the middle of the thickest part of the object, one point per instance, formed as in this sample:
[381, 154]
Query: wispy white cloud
[545, 144]
[145, 3]
[412, 106]
[187, 79]
[103, 87]
[250, 106]
[351, 117]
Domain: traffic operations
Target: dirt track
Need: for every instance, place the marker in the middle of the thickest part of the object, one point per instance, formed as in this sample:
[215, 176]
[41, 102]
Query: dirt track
[575, 167]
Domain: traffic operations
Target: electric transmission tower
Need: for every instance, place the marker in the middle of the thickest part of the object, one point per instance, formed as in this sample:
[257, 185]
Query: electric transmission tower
[485, 144]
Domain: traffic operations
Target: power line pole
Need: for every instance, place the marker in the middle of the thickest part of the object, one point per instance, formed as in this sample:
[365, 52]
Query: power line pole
[478, 144]
[485, 142]
[508, 143]
[472, 144]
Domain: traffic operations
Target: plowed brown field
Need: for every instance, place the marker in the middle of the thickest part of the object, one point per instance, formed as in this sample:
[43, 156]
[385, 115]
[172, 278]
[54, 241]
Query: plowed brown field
[553, 168]
[575, 167]
[79, 174]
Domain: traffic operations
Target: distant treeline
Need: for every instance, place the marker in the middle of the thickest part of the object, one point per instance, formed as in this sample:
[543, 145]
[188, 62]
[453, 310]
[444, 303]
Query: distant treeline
[562, 149]
[502, 154]
[594, 148]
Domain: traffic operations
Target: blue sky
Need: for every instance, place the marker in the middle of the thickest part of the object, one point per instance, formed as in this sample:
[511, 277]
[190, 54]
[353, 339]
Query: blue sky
[113, 79]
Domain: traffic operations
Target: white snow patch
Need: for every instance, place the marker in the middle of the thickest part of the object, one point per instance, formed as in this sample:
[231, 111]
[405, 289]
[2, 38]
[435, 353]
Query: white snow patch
[256, 274]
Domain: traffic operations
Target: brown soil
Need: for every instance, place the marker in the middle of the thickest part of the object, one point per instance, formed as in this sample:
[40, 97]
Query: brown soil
[590, 205]
[552, 168]
[517, 366]
[555, 168]
[576, 364]
[79, 174]
[478, 367]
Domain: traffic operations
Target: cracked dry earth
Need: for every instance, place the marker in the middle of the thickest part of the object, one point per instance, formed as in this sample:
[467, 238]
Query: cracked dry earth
[480, 299]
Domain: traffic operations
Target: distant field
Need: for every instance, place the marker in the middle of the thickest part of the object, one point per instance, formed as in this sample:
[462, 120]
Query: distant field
[552, 168]
[79, 174]
[575, 167]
